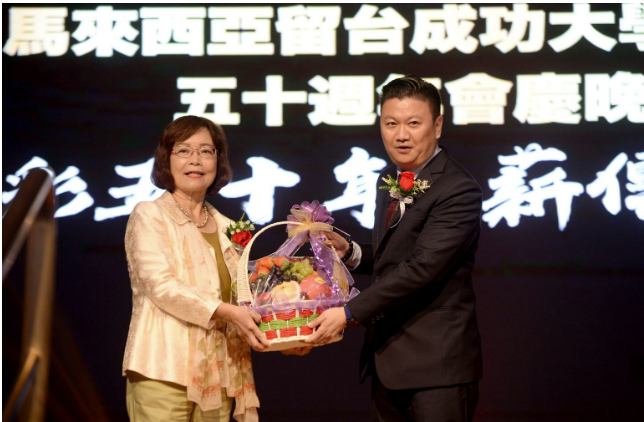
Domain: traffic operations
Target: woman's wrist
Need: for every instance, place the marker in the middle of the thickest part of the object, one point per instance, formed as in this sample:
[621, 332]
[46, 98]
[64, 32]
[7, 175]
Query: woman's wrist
[224, 311]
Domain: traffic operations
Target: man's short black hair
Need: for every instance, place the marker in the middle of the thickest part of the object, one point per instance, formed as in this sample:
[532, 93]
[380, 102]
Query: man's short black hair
[411, 86]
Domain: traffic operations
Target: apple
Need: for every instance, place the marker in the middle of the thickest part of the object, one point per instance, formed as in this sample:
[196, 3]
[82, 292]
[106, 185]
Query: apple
[314, 286]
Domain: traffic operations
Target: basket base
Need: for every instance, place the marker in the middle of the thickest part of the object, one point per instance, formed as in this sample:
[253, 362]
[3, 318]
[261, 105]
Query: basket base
[295, 341]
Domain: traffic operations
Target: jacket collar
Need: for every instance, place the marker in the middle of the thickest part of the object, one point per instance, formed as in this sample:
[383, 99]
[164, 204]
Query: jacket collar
[167, 202]
[435, 165]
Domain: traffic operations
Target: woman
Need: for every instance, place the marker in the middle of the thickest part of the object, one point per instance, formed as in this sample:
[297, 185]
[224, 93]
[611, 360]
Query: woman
[187, 354]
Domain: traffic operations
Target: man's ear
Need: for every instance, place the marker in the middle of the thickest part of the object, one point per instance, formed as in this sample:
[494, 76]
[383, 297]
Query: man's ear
[438, 126]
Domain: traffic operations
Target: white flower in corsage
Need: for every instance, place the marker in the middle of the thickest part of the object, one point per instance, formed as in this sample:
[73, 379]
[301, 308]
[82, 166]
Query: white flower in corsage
[405, 190]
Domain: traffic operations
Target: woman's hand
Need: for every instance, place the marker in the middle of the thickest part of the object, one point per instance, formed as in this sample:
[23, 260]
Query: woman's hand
[297, 351]
[245, 321]
[339, 243]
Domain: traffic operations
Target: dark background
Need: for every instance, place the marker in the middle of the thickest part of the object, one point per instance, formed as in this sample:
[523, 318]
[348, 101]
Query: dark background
[560, 312]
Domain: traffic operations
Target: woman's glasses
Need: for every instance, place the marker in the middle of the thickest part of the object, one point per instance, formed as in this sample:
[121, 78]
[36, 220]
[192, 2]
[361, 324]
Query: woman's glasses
[207, 153]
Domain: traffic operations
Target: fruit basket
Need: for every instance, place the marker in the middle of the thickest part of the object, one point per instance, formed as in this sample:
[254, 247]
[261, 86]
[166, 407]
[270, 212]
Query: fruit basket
[290, 291]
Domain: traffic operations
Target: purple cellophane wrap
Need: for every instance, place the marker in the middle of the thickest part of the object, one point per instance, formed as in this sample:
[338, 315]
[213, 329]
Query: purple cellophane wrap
[325, 259]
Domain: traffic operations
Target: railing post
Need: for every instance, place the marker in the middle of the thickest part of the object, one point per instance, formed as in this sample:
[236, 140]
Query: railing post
[39, 299]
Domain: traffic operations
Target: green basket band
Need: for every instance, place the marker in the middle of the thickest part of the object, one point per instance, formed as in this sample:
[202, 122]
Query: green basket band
[280, 324]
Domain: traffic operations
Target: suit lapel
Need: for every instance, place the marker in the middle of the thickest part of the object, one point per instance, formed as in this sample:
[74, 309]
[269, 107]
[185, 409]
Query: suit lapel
[382, 202]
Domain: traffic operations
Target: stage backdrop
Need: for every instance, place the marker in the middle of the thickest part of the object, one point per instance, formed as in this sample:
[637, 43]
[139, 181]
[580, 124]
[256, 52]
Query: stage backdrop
[543, 104]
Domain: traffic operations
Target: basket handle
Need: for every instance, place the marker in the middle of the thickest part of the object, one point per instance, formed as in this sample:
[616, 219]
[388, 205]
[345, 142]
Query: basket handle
[243, 287]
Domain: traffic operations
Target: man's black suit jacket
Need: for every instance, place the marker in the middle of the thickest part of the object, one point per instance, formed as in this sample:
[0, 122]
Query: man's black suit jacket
[420, 311]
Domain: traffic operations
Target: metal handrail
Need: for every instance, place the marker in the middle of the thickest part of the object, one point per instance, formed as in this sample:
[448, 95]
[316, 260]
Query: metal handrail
[30, 217]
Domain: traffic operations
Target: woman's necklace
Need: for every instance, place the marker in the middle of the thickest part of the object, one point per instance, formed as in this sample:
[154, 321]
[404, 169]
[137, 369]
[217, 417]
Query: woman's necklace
[198, 225]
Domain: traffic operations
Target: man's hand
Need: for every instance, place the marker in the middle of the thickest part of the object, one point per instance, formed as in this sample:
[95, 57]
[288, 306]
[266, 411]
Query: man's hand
[339, 243]
[298, 351]
[329, 324]
[246, 322]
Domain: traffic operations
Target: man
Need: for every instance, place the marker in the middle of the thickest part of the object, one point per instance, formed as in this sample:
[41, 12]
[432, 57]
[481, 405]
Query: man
[422, 345]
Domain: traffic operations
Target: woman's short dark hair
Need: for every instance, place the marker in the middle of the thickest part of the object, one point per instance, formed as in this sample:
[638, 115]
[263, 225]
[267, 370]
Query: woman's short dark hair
[411, 86]
[180, 130]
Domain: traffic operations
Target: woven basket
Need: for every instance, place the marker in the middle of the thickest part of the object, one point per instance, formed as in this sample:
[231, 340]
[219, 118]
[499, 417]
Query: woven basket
[284, 330]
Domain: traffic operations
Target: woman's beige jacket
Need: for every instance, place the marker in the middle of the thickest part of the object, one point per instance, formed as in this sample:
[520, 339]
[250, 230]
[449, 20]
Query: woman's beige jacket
[175, 292]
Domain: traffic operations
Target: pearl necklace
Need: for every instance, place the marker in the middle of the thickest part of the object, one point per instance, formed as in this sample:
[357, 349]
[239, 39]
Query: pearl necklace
[190, 219]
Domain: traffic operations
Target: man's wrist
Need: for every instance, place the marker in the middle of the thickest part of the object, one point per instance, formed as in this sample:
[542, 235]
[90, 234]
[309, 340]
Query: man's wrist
[354, 259]
[349, 252]
[351, 320]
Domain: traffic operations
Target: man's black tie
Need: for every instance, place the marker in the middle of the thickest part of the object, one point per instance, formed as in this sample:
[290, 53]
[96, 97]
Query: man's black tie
[393, 203]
